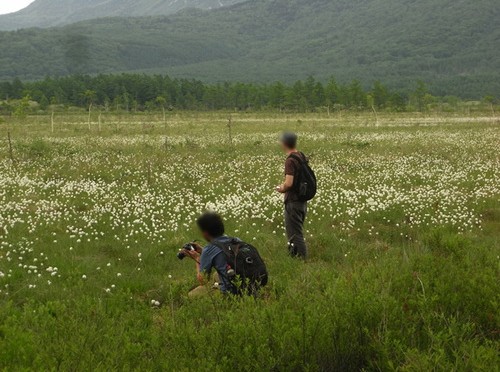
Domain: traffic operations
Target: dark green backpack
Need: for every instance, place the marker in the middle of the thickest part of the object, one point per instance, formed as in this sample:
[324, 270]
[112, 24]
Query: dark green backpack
[250, 271]
[304, 183]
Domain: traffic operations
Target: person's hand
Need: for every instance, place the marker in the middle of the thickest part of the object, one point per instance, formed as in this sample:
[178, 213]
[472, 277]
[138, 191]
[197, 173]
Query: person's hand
[279, 189]
[197, 247]
[192, 254]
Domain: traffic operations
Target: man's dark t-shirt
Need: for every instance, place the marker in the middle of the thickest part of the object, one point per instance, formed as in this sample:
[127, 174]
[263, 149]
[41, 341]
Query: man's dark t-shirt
[292, 167]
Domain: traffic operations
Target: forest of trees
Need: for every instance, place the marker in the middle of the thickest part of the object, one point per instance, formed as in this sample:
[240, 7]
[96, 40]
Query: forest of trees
[130, 92]
[395, 42]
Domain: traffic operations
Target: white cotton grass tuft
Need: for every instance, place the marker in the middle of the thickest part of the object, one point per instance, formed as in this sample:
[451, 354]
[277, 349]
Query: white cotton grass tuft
[134, 216]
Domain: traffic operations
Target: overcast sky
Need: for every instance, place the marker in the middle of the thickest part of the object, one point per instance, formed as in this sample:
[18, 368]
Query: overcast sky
[9, 6]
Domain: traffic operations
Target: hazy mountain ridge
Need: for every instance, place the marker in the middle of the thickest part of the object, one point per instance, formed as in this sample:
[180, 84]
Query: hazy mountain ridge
[49, 13]
[449, 44]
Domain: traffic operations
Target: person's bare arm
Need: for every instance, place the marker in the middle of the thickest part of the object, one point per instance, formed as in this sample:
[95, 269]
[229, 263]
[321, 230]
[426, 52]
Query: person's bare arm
[199, 275]
[287, 185]
[195, 255]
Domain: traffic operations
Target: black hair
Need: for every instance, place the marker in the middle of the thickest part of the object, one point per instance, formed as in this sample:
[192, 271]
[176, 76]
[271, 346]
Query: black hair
[289, 139]
[211, 223]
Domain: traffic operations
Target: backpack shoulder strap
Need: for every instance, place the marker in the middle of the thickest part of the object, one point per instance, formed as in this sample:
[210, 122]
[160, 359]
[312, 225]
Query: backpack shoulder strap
[301, 159]
[228, 248]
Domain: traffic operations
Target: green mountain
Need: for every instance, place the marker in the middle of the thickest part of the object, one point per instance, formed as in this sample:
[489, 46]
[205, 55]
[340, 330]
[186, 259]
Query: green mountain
[49, 13]
[450, 44]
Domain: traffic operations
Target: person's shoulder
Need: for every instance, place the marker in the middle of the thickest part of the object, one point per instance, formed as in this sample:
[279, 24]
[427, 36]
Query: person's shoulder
[210, 247]
[224, 239]
[291, 160]
[298, 155]
[215, 245]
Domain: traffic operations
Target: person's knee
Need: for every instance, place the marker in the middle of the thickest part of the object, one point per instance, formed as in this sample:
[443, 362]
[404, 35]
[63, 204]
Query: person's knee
[199, 291]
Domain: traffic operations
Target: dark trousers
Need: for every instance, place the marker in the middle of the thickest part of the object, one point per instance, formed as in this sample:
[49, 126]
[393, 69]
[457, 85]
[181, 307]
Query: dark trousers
[295, 216]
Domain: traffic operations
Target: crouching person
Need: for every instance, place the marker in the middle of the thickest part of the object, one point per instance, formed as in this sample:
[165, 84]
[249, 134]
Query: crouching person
[240, 269]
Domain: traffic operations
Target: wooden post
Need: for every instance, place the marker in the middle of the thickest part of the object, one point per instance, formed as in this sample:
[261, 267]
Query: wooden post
[11, 152]
[99, 121]
[328, 110]
[149, 173]
[52, 122]
[230, 133]
[90, 110]
[164, 118]
[375, 112]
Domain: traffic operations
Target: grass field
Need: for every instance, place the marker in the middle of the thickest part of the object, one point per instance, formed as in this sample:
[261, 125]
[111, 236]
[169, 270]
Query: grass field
[404, 238]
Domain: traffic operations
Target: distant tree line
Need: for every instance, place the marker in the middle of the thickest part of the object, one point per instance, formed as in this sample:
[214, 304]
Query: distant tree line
[132, 92]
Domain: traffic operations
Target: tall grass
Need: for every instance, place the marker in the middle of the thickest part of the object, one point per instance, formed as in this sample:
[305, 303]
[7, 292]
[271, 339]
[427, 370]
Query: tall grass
[404, 264]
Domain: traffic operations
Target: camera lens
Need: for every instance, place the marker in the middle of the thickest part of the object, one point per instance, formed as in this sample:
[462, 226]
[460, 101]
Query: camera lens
[181, 255]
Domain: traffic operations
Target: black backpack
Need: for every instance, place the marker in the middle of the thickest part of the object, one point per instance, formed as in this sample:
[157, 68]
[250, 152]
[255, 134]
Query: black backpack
[250, 271]
[304, 183]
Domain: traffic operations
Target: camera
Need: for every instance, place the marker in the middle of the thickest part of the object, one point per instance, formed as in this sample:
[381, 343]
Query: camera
[188, 247]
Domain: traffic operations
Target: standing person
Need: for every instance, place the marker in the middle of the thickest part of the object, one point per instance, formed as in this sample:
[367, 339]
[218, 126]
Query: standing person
[298, 188]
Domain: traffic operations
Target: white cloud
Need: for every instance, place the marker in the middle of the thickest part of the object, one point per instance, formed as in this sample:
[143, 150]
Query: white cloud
[9, 6]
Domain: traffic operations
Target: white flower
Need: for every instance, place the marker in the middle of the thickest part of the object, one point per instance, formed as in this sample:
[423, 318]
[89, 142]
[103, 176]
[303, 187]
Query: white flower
[119, 274]
[108, 290]
[84, 276]
[170, 276]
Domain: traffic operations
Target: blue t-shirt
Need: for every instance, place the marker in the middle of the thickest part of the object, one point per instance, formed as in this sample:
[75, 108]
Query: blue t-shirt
[213, 257]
